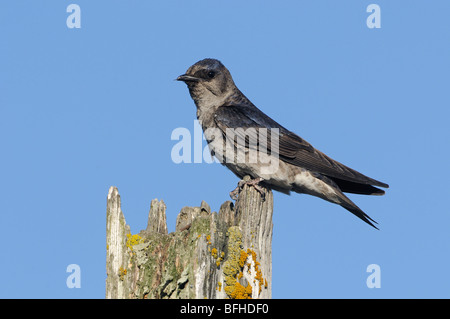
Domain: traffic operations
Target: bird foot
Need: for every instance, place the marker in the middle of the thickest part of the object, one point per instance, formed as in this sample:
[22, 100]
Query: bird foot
[251, 182]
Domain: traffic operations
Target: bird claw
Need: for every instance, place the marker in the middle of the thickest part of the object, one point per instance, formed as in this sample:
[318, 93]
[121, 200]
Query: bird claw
[252, 182]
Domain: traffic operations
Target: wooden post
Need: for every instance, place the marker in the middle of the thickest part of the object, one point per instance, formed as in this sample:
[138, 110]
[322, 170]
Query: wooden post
[210, 255]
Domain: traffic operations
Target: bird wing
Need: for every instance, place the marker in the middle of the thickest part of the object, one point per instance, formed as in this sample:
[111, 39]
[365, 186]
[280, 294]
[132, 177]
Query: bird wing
[292, 148]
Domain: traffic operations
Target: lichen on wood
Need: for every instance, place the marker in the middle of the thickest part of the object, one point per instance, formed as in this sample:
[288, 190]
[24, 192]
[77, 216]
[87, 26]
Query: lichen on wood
[210, 255]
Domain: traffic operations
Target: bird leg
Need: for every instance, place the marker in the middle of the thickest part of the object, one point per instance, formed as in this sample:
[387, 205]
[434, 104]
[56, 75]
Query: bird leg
[250, 182]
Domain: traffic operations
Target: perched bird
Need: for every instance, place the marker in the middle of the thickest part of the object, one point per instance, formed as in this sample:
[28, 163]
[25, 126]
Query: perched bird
[227, 116]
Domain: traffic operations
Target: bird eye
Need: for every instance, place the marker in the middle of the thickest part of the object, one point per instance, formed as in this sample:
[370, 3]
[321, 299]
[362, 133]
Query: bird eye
[211, 74]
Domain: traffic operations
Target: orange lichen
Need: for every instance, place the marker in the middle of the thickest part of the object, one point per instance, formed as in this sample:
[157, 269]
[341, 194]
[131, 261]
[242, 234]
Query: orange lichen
[243, 258]
[122, 273]
[239, 292]
[234, 266]
[258, 271]
[214, 253]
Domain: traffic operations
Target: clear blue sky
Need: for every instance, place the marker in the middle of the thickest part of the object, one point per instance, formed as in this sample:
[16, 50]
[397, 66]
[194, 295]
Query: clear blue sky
[84, 109]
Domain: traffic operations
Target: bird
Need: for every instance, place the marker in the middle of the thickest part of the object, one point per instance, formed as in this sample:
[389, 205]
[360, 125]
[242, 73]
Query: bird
[222, 108]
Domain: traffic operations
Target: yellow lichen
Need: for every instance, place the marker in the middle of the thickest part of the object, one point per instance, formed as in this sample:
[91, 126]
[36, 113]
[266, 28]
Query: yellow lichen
[133, 240]
[232, 268]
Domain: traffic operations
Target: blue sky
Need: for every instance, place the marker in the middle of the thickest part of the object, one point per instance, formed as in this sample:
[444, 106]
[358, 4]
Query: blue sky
[84, 109]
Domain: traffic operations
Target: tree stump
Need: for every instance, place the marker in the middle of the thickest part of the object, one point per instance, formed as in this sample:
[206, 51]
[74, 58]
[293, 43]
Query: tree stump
[210, 255]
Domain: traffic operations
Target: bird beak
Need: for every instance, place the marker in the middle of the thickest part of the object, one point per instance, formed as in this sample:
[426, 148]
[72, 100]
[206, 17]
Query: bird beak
[187, 78]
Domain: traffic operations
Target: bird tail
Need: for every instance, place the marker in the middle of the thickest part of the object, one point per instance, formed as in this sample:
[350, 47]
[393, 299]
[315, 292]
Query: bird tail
[335, 195]
[355, 210]
[345, 202]
[357, 188]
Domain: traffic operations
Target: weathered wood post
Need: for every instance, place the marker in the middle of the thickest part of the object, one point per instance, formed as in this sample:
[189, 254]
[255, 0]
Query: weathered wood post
[210, 255]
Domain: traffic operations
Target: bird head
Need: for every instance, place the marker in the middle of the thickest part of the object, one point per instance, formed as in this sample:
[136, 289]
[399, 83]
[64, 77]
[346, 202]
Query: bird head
[208, 81]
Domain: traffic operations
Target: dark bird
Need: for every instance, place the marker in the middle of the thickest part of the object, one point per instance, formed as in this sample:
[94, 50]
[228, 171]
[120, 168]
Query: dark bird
[222, 109]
